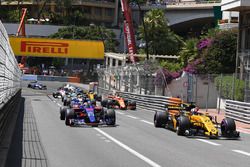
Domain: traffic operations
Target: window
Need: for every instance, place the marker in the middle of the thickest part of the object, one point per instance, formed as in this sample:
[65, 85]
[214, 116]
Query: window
[109, 12]
[98, 11]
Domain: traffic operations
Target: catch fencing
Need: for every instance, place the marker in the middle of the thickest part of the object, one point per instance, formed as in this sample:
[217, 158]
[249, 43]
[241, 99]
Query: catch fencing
[10, 73]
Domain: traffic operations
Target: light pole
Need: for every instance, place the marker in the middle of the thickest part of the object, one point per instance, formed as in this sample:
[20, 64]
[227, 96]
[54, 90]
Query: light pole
[144, 28]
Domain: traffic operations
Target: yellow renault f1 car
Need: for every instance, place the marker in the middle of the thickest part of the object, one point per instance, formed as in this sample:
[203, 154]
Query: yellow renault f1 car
[183, 119]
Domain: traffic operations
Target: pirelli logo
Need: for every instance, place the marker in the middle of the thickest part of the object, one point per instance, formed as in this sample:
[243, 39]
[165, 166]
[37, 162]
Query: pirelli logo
[45, 47]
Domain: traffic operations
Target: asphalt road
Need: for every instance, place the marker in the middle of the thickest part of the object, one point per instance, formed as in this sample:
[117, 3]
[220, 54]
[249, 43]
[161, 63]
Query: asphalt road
[134, 141]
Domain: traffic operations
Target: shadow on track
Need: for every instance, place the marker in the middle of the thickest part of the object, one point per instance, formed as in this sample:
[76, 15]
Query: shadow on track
[16, 151]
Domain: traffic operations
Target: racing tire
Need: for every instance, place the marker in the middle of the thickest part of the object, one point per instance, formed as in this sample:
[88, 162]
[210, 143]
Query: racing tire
[69, 115]
[160, 119]
[63, 112]
[109, 104]
[133, 105]
[227, 126]
[104, 103]
[110, 117]
[182, 125]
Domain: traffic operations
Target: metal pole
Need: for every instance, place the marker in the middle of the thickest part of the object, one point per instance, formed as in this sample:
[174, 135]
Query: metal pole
[233, 86]
[145, 30]
[220, 93]
[207, 92]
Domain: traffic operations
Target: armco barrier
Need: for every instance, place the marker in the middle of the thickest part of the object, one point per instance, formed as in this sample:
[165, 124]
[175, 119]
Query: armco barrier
[149, 102]
[29, 77]
[239, 111]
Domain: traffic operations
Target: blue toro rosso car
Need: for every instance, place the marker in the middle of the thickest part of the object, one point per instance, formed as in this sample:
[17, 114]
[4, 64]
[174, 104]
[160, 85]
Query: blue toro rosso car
[87, 114]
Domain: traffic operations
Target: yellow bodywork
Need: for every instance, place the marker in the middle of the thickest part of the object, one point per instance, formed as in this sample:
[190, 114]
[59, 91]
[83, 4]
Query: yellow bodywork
[204, 122]
[91, 96]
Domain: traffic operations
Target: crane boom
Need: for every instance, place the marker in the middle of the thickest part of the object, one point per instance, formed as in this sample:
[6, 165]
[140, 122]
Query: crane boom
[128, 30]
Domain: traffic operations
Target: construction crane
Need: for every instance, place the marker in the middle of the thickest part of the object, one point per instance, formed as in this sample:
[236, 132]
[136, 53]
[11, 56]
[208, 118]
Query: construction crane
[21, 32]
[128, 30]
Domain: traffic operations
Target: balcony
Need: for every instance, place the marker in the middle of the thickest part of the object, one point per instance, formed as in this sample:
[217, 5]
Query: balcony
[235, 5]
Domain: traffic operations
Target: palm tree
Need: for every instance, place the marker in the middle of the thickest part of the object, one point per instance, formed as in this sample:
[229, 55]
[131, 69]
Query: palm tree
[189, 51]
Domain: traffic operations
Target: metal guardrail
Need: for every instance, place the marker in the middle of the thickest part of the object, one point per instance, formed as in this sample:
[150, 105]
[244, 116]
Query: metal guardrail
[152, 102]
[239, 111]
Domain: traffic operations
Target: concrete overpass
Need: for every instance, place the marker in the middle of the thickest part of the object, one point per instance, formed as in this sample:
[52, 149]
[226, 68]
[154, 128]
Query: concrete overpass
[183, 16]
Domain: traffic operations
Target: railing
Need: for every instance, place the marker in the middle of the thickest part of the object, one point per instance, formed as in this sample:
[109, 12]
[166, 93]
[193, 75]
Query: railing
[239, 111]
[149, 102]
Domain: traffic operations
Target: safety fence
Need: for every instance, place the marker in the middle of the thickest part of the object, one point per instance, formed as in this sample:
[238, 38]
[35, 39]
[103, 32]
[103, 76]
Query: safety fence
[149, 102]
[28, 77]
[239, 111]
[10, 73]
[10, 92]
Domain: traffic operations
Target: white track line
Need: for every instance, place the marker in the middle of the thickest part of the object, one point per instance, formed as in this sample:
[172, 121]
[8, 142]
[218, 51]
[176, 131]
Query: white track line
[147, 110]
[242, 152]
[150, 123]
[209, 142]
[142, 157]
[119, 113]
[130, 116]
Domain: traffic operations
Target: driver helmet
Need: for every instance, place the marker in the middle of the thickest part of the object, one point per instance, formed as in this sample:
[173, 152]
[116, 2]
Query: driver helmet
[195, 110]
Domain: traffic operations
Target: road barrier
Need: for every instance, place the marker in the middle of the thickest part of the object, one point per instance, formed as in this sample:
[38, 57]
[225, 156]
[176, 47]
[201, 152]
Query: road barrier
[10, 92]
[149, 102]
[29, 77]
[239, 111]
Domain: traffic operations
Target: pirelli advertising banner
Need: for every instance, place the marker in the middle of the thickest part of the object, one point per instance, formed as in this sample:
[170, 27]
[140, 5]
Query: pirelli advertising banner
[43, 47]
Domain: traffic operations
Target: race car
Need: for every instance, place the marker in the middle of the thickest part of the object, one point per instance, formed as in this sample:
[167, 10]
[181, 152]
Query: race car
[59, 93]
[192, 122]
[115, 101]
[36, 85]
[87, 114]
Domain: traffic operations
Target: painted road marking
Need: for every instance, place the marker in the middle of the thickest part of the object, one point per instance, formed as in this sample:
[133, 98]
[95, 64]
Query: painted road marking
[242, 152]
[209, 142]
[142, 157]
[130, 116]
[59, 104]
[146, 110]
[243, 130]
[108, 141]
[119, 113]
[150, 123]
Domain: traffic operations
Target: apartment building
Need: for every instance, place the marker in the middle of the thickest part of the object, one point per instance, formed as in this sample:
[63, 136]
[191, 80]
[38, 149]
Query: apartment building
[99, 12]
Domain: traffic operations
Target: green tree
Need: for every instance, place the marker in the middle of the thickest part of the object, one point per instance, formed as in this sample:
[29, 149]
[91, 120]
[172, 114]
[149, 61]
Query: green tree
[188, 52]
[220, 56]
[161, 40]
[89, 33]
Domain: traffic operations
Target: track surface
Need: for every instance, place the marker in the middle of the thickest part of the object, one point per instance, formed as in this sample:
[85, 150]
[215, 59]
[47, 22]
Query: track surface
[133, 142]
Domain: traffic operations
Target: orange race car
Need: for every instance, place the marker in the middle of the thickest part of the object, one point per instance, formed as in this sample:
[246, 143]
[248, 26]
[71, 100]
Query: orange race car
[115, 101]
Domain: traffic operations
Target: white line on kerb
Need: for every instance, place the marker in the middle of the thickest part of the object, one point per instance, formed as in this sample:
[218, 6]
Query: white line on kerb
[130, 116]
[209, 142]
[150, 123]
[142, 157]
[242, 152]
